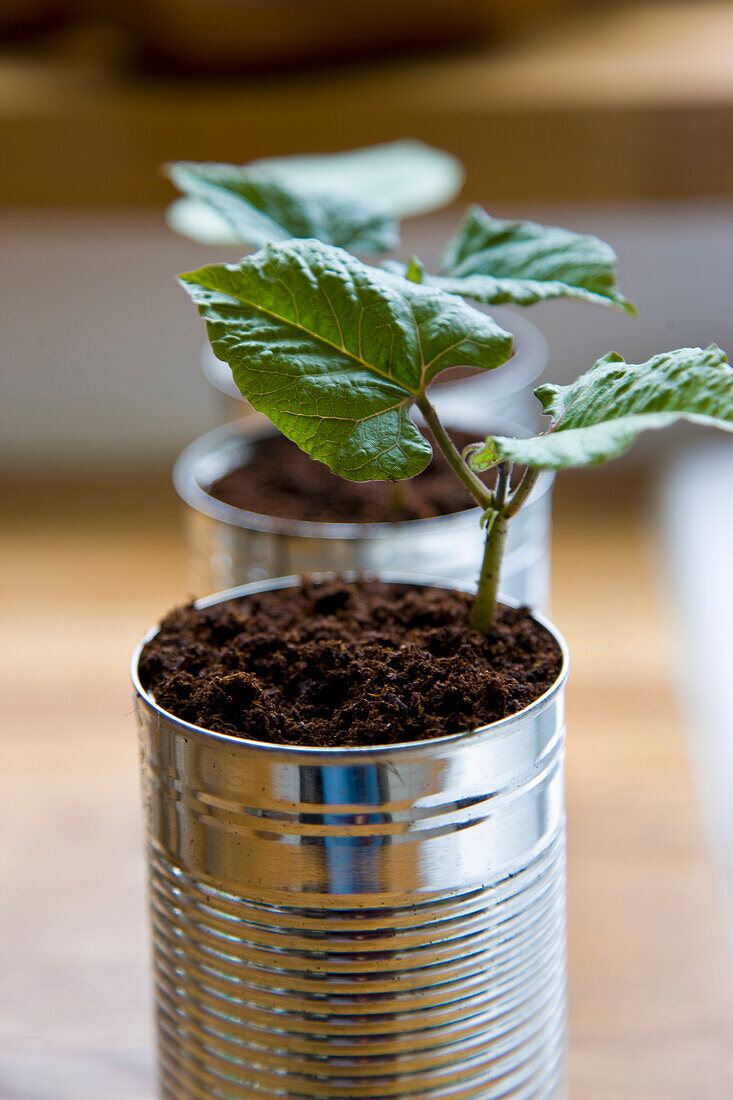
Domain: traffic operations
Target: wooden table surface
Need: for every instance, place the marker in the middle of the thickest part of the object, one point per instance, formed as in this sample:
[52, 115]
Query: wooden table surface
[85, 571]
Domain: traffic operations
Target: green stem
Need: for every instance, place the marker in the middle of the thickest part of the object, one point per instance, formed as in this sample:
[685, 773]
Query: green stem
[500, 507]
[398, 498]
[522, 491]
[484, 607]
[475, 486]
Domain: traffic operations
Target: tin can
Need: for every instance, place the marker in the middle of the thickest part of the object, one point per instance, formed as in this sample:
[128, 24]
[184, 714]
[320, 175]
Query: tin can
[226, 546]
[334, 924]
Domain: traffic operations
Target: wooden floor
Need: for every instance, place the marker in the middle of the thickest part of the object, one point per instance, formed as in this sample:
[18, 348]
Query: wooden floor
[86, 571]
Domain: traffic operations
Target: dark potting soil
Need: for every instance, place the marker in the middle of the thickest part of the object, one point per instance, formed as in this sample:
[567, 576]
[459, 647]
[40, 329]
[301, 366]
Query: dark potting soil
[281, 480]
[346, 663]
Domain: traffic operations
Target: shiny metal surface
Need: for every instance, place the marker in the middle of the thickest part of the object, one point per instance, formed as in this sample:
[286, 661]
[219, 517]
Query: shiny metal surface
[507, 392]
[227, 546]
[356, 923]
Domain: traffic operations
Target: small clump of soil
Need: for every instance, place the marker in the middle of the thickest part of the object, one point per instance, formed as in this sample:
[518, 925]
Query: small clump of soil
[346, 663]
[281, 480]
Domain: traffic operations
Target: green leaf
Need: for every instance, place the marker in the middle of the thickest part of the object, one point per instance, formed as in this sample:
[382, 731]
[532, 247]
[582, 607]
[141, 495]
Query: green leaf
[259, 209]
[404, 178]
[600, 415]
[397, 179]
[198, 222]
[335, 352]
[494, 261]
[415, 272]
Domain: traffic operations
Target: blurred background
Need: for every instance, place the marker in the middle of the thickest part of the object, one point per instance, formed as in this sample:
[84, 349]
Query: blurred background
[606, 117]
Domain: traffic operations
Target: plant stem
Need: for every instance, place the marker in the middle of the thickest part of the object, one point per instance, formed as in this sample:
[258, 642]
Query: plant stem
[522, 491]
[398, 498]
[484, 607]
[475, 486]
[500, 507]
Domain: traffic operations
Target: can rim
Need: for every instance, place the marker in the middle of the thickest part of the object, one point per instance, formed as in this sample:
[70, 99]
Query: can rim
[363, 754]
[187, 481]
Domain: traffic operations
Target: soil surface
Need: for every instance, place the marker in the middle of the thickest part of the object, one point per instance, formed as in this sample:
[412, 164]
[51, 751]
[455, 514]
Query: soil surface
[281, 480]
[346, 663]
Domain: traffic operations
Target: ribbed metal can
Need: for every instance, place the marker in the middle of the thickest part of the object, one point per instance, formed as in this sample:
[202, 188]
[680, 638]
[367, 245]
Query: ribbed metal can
[506, 392]
[332, 924]
[226, 546]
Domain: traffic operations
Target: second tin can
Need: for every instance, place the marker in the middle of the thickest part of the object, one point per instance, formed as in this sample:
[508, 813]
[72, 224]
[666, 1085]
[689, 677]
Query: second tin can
[226, 546]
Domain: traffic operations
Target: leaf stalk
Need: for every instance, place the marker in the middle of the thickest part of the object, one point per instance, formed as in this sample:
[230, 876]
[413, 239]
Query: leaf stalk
[483, 497]
[522, 491]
